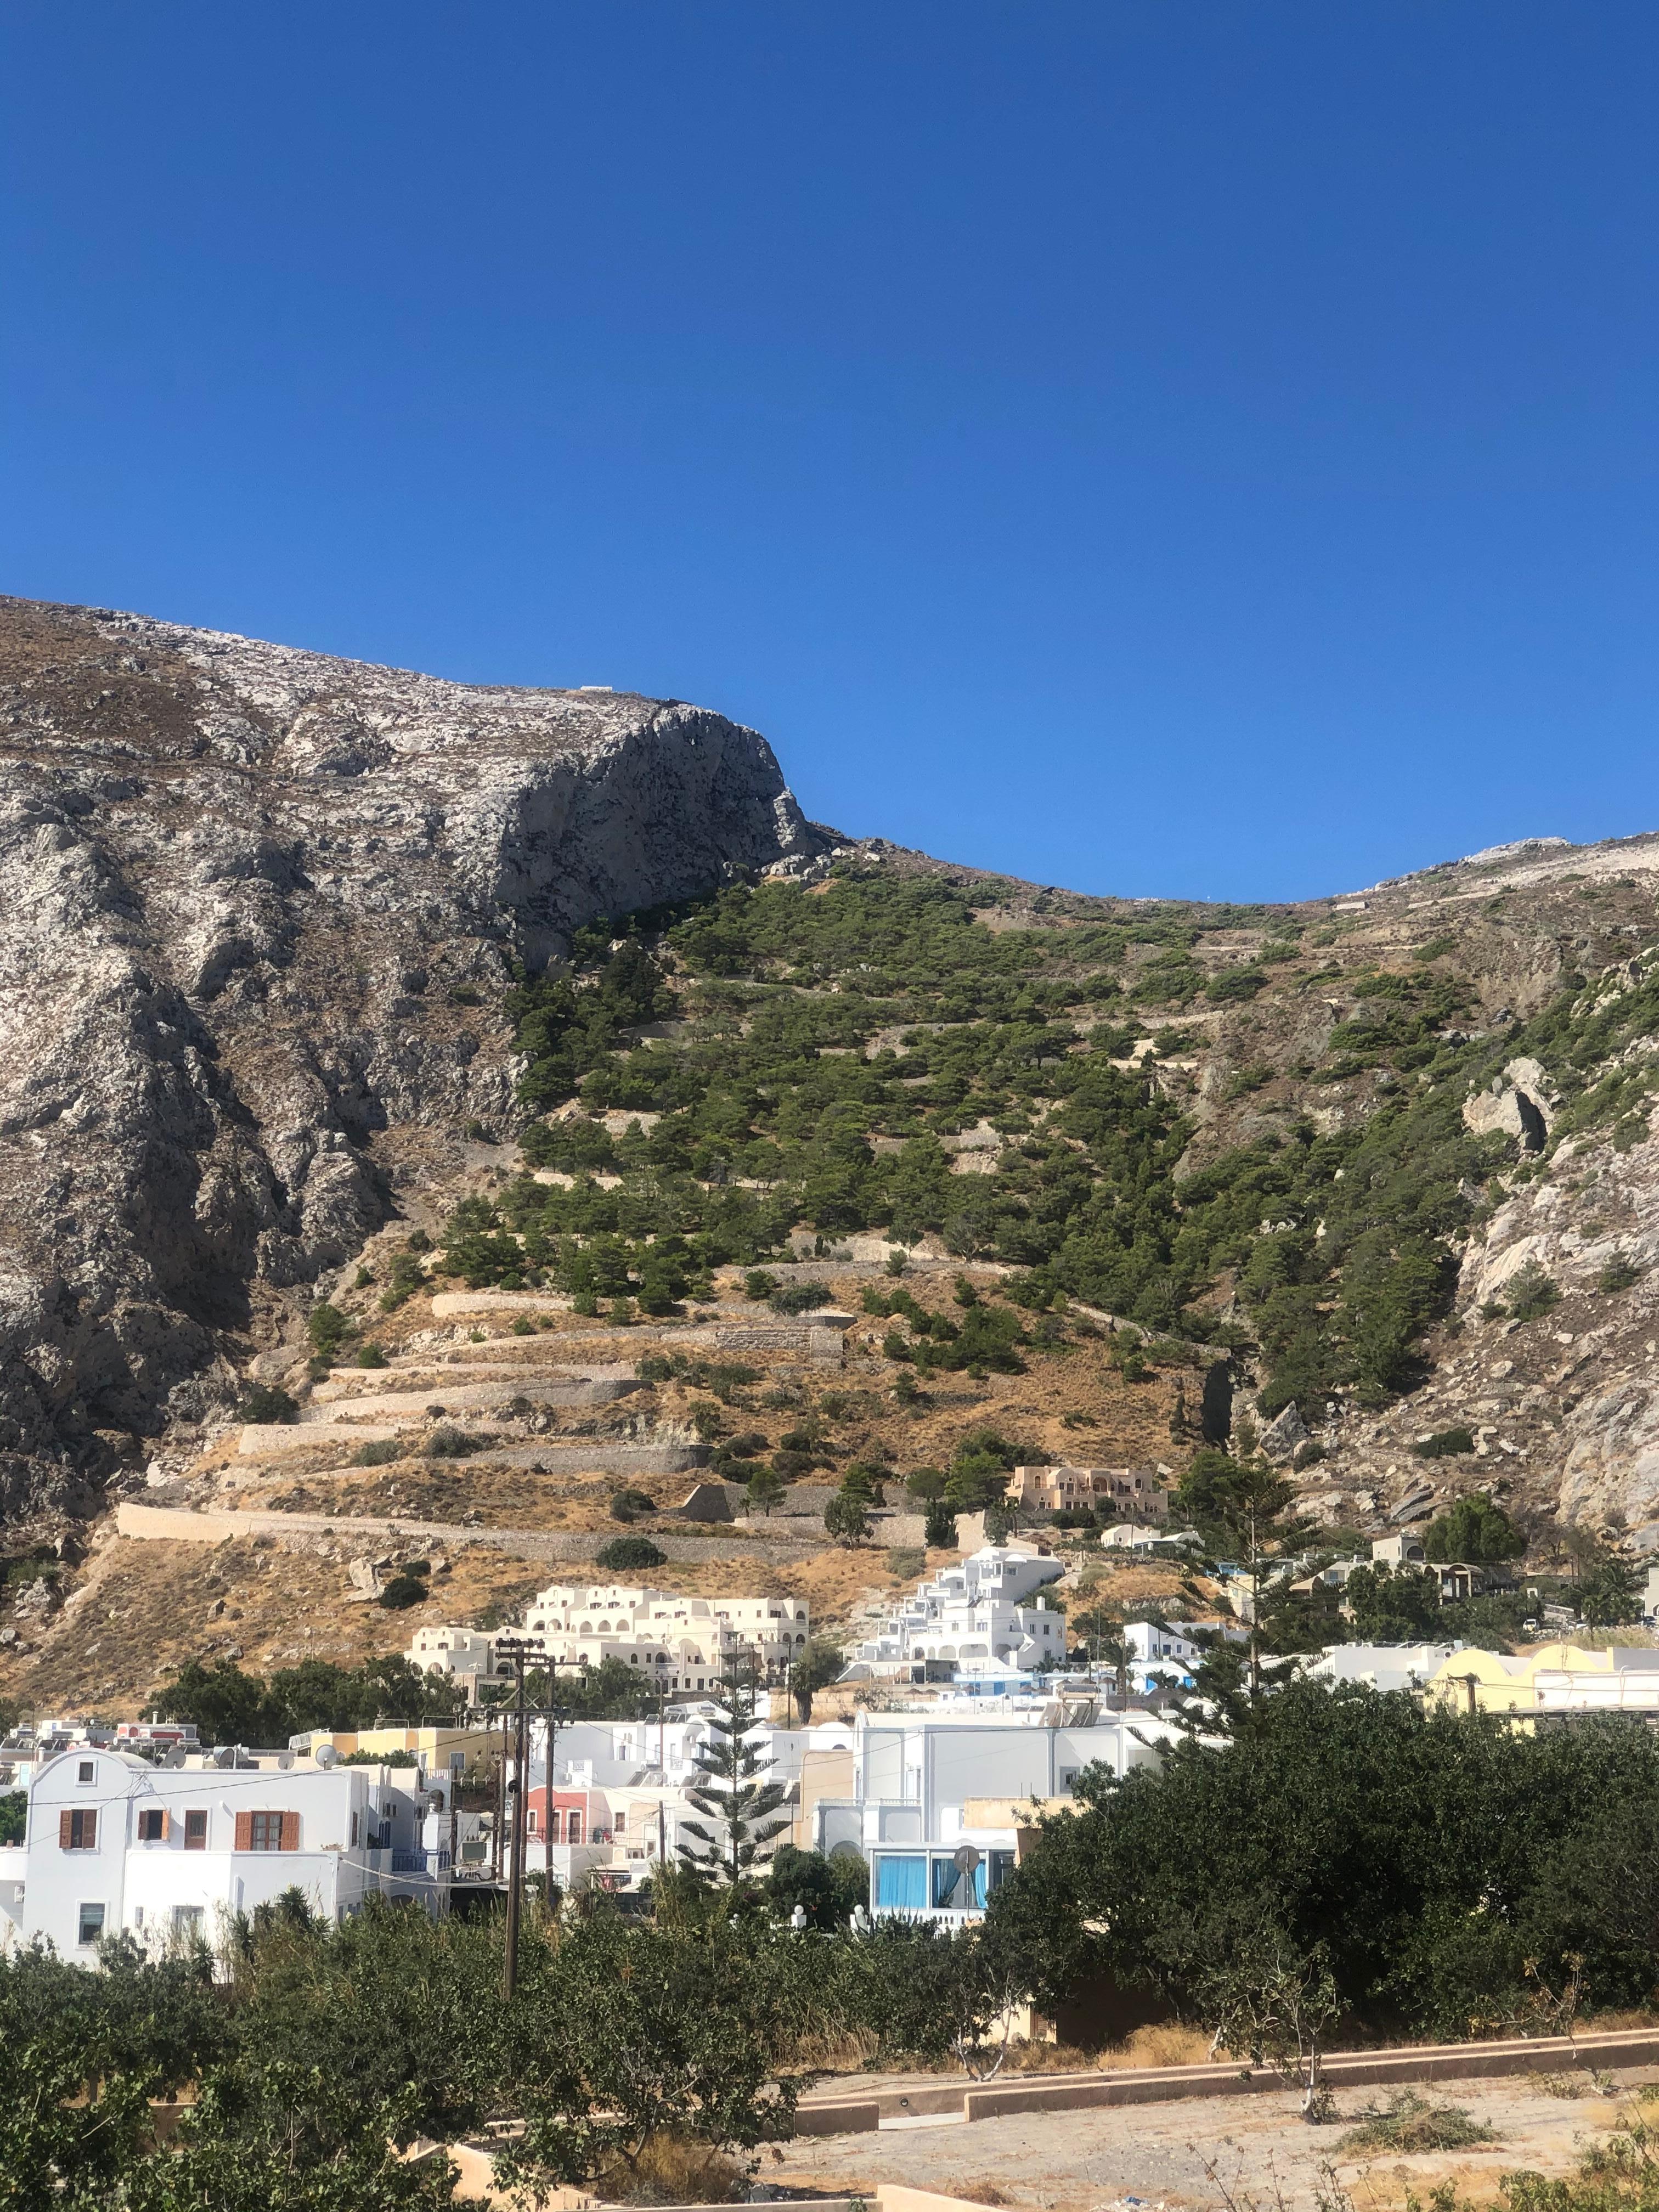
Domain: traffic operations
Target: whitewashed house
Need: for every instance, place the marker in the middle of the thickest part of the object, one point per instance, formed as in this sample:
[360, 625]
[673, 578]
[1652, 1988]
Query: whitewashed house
[114, 1844]
[917, 1773]
[971, 1612]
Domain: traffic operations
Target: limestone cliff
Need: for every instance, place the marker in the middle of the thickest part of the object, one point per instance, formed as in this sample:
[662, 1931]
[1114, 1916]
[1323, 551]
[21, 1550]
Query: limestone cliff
[257, 907]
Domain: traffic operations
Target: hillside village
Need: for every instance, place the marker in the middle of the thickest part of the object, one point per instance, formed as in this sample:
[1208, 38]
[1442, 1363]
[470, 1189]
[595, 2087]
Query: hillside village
[957, 1480]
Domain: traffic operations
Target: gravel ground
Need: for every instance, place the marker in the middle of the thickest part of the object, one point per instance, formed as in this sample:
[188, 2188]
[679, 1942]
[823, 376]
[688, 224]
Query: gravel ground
[1249, 2154]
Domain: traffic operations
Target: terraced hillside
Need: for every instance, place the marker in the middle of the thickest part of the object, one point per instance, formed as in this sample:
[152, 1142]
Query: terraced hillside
[848, 1171]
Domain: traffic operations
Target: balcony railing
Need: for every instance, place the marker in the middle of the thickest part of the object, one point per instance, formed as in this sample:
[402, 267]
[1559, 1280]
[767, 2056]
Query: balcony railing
[420, 1862]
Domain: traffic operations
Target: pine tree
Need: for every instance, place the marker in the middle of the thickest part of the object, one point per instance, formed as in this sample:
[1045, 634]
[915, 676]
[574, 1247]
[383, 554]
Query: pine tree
[739, 1807]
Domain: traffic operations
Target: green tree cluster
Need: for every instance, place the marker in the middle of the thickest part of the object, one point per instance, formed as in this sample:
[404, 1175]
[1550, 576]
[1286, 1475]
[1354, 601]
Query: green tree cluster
[1420, 1861]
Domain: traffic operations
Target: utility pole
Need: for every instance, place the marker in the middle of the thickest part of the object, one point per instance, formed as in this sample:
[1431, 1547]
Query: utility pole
[662, 1786]
[496, 1861]
[520, 1797]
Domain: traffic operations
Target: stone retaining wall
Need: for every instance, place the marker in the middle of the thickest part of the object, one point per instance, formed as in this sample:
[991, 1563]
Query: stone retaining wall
[178, 1524]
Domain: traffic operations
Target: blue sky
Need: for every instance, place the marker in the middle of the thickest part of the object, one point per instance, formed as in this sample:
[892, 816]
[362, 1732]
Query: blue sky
[1165, 448]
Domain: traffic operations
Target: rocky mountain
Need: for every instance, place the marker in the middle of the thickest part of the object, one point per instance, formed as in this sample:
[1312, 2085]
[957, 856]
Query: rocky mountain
[261, 913]
[258, 909]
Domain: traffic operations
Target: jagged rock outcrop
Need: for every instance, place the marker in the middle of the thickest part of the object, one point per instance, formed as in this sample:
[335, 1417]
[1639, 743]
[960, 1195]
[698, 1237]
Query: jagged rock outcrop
[256, 907]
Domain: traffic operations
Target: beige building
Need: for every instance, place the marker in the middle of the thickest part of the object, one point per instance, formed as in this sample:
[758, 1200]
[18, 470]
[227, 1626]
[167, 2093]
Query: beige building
[682, 1644]
[1132, 1494]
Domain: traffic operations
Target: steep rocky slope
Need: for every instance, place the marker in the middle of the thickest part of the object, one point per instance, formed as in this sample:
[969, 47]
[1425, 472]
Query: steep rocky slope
[261, 915]
[257, 910]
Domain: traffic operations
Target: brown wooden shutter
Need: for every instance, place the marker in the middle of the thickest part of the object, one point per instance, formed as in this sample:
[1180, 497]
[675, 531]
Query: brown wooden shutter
[89, 1829]
[245, 1832]
[65, 1821]
[290, 1832]
[166, 1826]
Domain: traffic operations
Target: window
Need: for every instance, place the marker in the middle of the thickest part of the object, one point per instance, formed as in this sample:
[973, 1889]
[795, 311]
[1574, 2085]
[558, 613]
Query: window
[619, 1825]
[77, 1830]
[87, 1771]
[92, 1924]
[958, 1889]
[138, 1916]
[152, 1825]
[901, 1881]
[187, 1920]
[267, 1832]
[196, 1831]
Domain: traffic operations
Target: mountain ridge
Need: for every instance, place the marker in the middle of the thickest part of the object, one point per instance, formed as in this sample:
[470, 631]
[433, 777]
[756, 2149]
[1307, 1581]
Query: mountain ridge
[271, 925]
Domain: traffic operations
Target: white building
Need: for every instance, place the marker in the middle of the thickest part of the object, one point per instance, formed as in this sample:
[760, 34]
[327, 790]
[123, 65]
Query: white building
[1381, 1666]
[918, 1774]
[618, 1803]
[974, 1611]
[466, 1653]
[114, 1844]
[684, 1644]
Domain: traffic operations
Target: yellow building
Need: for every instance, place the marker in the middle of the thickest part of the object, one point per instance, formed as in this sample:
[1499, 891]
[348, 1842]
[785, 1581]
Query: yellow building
[1490, 1682]
[437, 1751]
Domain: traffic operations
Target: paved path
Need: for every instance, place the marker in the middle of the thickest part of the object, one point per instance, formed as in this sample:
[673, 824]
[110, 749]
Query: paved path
[179, 1525]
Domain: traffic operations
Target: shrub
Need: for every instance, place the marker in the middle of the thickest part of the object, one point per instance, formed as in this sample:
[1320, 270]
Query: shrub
[445, 1442]
[403, 1591]
[758, 1285]
[799, 1299]
[328, 1330]
[370, 1355]
[628, 1505]
[625, 1555]
[1409, 2125]
[1532, 1292]
[1234, 984]
[1445, 1443]
[264, 1404]
[1620, 1274]
[378, 1454]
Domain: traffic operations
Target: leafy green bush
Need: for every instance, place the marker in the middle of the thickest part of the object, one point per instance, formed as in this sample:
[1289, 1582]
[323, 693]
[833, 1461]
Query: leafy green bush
[1445, 1443]
[1473, 1527]
[628, 1505]
[1532, 1292]
[328, 1330]
[627, 1555]
[403, 1591]
[799, 1299]
[379, 1454]
[266, 1403]
[1620, 1274]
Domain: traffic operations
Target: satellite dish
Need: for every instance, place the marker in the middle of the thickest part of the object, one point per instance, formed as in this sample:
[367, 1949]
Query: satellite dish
[964, 1858]
[327, 1756]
